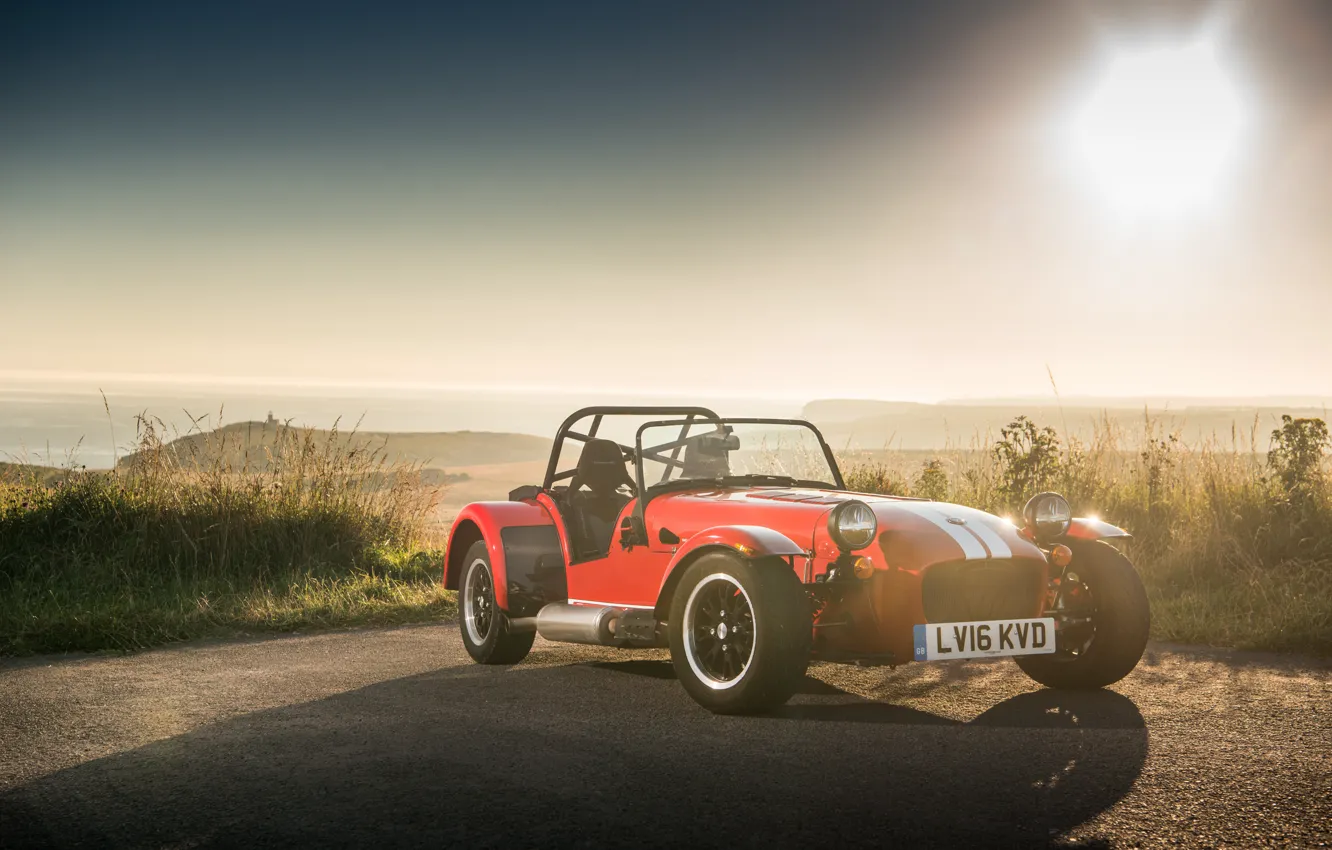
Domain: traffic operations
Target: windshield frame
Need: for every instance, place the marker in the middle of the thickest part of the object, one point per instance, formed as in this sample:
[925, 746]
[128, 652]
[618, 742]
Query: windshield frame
[646, 492]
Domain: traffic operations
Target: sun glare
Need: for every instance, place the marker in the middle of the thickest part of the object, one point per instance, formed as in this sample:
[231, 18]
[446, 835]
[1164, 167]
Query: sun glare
[1159, 130]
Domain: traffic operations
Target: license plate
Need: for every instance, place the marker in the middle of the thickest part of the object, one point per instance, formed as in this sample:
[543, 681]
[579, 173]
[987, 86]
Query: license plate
[984, 639]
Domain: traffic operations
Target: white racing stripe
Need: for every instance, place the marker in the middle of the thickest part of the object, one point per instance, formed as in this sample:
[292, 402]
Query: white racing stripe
[998, 548]
[972, 549]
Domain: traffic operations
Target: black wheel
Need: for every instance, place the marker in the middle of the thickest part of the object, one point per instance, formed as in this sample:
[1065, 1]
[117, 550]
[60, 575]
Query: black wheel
[740, 634]
[1105, 621]
[485, 628]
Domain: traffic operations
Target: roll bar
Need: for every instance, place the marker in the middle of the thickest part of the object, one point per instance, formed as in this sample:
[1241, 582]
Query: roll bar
[566, 431]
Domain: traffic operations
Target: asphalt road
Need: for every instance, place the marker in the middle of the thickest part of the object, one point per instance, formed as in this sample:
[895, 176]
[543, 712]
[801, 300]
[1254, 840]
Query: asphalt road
[392, 737]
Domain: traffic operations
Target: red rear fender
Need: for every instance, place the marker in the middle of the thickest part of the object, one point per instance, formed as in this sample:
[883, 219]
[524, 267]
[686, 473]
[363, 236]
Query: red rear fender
[485, 521]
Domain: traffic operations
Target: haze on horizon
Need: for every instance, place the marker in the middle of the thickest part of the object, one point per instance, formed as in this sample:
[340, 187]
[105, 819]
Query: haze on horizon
[784, 201]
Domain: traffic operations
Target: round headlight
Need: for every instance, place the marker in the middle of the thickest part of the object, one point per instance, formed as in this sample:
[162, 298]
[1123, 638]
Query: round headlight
[852, 526]
[1048, 516]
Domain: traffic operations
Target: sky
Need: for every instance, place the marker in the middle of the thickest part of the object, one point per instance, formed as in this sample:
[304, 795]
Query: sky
[782, 200]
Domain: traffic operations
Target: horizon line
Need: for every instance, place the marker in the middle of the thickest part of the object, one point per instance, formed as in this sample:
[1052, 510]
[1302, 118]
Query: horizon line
[36, 376]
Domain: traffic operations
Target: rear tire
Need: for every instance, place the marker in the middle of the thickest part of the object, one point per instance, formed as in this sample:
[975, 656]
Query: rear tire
[485, 628]
[740, 634]
[1121, 622]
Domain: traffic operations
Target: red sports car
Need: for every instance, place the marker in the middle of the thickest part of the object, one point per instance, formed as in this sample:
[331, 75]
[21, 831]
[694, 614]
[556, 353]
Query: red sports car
[735, 543]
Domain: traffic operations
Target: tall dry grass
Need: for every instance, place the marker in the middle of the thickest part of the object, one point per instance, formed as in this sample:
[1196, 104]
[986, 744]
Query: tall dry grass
[1232, 536]
[313, 531]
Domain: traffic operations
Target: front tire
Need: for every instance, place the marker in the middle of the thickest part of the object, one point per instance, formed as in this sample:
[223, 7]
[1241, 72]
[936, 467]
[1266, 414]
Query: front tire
[739, 634]
[485, 628]
[1120, 620]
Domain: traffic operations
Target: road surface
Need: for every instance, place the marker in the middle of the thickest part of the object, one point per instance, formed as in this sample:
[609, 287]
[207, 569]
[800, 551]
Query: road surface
[392, 737]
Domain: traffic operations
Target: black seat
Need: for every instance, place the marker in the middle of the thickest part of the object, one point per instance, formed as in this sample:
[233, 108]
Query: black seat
[592, 513]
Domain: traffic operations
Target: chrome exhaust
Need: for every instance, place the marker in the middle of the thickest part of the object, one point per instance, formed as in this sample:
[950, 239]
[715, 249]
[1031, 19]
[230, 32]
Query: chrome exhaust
[560, 621]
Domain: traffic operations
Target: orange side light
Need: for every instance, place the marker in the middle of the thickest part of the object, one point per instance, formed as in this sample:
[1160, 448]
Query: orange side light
[863, 567]
[1061, 556]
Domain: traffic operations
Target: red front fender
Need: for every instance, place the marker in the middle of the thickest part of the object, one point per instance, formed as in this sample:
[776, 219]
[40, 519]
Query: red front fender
[485, 521]
[1090, 528]
[747, 541]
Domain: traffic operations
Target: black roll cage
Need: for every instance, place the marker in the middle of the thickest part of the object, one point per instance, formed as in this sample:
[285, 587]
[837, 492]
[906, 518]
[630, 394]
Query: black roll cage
[692, 416]
[566, 431]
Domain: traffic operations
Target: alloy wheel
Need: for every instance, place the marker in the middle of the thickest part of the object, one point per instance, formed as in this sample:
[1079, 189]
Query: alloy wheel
[479, 602]
[719, 631]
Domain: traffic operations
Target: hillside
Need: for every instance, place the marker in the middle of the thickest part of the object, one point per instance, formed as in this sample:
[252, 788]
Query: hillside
[867, 424]
[249, 445]
[23, 473]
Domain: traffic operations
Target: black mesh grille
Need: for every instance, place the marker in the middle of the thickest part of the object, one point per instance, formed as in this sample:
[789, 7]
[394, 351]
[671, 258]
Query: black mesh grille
[961, 591]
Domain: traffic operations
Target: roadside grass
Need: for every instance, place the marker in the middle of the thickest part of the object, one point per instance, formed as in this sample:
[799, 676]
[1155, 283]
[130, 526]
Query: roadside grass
[1232, 537]
[312, 533]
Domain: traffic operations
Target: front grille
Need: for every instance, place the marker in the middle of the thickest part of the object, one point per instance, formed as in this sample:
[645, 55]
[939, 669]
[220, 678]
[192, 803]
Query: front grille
[960, 591]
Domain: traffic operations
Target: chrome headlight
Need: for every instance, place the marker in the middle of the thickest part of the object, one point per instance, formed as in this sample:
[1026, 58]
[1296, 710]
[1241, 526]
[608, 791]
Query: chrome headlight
[852, 525]
[1048, 516]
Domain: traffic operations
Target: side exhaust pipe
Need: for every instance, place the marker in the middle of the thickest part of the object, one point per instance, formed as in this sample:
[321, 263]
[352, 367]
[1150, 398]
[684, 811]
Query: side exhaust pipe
[560, 621]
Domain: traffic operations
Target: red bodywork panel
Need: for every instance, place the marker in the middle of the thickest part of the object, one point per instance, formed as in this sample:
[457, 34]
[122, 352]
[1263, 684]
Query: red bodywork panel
[785, 523]
[1087, 528]
[752, 541]
[484, 521]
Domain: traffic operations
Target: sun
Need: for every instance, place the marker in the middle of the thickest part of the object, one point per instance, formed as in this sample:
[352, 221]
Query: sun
[1160, 129]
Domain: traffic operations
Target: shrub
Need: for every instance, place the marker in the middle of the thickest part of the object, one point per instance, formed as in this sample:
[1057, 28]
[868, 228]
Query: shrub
[876, 478]
[932, 482]
[1296, 456]
[1028, 458]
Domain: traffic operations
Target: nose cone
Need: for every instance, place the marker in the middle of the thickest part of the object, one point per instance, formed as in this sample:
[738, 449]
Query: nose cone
[914, 535]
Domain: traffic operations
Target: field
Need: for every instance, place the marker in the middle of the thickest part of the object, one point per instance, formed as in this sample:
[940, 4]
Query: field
[303, 529]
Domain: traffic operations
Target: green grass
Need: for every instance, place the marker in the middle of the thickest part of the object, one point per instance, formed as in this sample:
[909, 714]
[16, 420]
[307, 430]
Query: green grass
[1233, 541]
[328, 534]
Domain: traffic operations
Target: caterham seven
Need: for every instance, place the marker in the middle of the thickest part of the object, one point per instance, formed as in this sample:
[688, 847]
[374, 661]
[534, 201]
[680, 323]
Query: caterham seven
[735, 543]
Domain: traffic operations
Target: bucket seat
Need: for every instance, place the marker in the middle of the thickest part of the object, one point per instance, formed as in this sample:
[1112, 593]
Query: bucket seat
[592, 513]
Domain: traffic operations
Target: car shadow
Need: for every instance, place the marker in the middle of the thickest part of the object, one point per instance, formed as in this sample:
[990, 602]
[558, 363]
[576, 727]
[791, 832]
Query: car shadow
[1043, 709]
[648, 668]
[583, 754]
